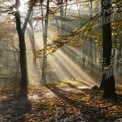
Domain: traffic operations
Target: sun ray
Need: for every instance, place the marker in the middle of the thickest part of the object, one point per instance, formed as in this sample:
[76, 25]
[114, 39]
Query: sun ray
[68, 69]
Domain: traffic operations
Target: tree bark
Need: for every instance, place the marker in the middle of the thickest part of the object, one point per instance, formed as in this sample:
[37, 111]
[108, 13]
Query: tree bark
[23, 65]
[45, 34]
[22, 46]
[108, 82]
[32, 39]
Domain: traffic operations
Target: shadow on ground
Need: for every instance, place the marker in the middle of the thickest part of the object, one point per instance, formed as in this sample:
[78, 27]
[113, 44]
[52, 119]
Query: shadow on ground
[93, 108]
[14, 108]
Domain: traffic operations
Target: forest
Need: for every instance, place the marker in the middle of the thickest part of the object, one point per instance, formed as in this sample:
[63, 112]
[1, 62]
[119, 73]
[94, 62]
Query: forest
[60, 61]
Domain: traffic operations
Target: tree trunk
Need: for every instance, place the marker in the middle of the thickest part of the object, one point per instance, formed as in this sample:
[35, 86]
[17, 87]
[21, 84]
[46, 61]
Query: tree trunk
[108, 82]
[119, 56]
[62, 17]
[23, 65]
[84, 55]
[32, 39]
[45, 31]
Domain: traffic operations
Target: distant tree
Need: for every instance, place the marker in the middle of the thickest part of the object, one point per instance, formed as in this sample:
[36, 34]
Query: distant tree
[32, 38]
[45, 35]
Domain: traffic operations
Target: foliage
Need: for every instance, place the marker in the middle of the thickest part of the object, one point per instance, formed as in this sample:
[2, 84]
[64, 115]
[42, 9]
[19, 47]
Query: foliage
[89, 29]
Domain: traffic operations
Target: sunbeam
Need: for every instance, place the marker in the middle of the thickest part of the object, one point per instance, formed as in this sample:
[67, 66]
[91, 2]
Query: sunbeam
[68, 69]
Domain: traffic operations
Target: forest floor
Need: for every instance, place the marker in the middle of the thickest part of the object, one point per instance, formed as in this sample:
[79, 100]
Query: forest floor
[60, 103]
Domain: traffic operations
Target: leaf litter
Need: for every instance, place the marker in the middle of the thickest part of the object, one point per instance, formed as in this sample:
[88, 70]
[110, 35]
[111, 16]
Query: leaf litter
[57, 104]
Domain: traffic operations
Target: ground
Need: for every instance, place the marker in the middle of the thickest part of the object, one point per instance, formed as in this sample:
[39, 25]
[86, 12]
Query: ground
[60, 103]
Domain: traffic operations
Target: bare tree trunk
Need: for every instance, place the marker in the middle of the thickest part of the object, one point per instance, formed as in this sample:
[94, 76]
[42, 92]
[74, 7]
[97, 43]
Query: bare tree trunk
[32, 39]
[119, 57]
[62, 17]
[84, 55]
[45, 33]
[90, 2]
[108, 82]
[22, 46]
[23, 65]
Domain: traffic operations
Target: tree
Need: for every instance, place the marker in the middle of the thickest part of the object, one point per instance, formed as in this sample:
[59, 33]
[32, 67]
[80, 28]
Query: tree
[23, 82]
[22, 46]
[45, 33]
[108, 81]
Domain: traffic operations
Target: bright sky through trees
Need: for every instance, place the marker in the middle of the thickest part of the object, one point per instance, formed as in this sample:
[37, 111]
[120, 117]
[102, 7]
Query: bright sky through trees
[23, 6]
